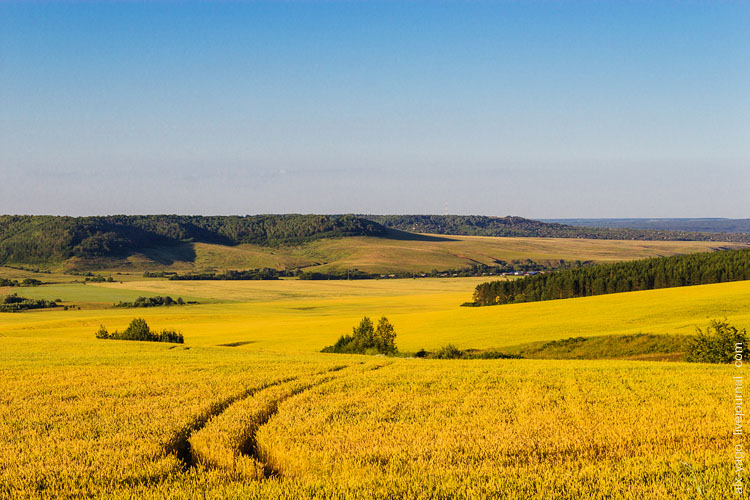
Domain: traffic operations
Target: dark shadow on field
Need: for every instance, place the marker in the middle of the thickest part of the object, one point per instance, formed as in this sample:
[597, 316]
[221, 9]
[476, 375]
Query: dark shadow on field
[237, 344]
[396, 234]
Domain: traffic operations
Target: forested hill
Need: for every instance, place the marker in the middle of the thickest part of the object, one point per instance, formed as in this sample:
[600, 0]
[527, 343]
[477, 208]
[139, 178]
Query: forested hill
[479, 225]
[36, 239]
[646, 274]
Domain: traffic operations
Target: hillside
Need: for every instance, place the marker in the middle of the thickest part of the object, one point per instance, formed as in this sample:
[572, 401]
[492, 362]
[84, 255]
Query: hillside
[44, 239]
[313, 242]
[480, 225]
[423, 253]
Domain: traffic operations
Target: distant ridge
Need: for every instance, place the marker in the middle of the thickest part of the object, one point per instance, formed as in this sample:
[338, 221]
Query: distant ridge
[480, 225]
[710, 225]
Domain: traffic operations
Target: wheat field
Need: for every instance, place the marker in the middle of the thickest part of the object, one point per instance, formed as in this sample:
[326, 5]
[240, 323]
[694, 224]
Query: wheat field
[248, 407]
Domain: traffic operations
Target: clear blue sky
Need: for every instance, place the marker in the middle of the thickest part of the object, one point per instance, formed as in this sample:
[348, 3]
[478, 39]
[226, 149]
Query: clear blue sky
[538, 109]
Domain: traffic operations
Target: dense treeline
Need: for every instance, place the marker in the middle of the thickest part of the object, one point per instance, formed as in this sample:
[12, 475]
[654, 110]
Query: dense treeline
[14, 303]
[646, 274]
[249, 274]
[32, 238]
[24, 282]
[502, 267]
[157, 301]
[479, 225]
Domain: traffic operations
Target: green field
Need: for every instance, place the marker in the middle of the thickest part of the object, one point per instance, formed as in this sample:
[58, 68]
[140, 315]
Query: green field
[249, 408]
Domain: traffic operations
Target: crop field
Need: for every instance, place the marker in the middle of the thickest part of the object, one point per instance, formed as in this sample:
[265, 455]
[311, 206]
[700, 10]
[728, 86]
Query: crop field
[249, 408]
[307, 315]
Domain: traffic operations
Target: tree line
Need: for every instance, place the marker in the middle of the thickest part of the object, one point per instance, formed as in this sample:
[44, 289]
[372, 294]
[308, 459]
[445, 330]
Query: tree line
[157, 301]
[645, 274]
[14, 303]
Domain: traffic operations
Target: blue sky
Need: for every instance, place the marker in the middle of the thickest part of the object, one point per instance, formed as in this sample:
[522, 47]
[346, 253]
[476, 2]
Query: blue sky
[538, 109]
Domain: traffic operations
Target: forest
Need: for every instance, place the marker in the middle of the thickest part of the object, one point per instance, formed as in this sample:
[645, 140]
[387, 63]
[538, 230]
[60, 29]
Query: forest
[645, 274]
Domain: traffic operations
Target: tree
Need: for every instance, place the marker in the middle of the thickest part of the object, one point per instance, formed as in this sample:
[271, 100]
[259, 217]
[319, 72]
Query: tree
[385, 336]
[102, 333]
[137, 330]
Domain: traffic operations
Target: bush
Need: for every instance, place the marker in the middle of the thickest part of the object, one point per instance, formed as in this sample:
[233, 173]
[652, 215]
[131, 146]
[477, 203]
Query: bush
[449, 352]
[366, 339]
[138, 329]
[716, 344]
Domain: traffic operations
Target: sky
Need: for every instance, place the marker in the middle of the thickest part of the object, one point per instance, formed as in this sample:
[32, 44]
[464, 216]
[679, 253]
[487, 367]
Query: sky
[539, 109]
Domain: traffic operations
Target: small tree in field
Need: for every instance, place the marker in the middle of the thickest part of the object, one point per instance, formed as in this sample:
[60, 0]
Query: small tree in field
[137, 330]
[102, 333]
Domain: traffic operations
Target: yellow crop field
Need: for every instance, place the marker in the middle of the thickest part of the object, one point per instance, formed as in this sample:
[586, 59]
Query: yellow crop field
[249, 408]
[307, 315]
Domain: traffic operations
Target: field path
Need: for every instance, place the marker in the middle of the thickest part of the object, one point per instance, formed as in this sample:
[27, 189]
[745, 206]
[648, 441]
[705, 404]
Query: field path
[227, 439]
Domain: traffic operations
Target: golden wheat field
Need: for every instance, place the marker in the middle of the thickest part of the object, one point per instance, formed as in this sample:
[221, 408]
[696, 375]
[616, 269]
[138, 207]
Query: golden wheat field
[249, 408]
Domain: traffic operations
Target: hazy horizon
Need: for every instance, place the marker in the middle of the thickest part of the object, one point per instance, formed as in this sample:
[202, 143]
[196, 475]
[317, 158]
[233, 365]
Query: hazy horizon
[543, 110]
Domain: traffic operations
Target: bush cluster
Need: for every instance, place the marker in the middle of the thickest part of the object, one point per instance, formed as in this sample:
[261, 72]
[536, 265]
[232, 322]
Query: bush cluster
[367, 339]
[138, 329]
[716, 344]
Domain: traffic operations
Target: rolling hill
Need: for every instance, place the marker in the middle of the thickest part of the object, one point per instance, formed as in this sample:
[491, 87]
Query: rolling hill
[321, 242]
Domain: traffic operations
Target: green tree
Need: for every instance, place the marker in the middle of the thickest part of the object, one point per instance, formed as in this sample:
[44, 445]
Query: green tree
[385, 337]
[137, 330]
[102, 333]
[364, 335]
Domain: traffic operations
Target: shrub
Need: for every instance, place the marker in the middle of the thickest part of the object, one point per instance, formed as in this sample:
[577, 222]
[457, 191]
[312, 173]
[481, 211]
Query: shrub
[716, 344]
[449, 352]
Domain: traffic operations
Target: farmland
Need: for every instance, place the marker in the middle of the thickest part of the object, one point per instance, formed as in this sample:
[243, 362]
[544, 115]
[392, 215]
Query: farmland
[306, 315]
[248, 407]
